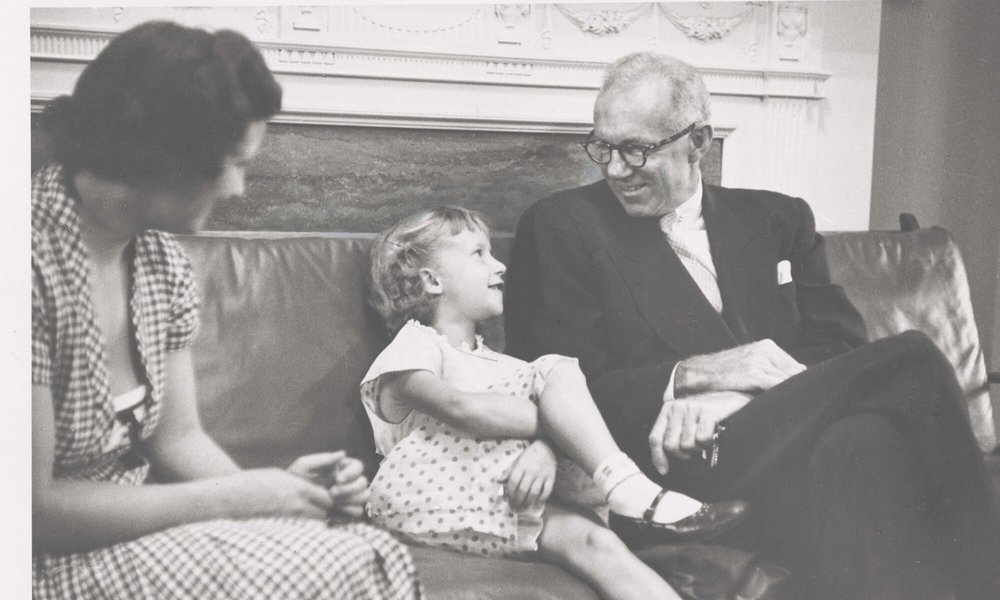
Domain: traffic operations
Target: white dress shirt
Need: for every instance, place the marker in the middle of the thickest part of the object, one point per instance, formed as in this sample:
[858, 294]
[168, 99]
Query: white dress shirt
[688, 223]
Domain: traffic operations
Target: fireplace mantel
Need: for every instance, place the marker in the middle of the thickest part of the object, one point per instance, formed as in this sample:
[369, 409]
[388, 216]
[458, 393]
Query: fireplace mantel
[508, 67]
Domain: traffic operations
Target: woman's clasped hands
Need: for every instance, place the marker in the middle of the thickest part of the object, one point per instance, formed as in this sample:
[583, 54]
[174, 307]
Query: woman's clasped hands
[326, 486]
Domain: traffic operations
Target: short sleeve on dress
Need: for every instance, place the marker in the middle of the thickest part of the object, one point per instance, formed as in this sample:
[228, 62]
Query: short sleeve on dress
[541, 367]
[415, 348]
[184, 319]
[41, 332]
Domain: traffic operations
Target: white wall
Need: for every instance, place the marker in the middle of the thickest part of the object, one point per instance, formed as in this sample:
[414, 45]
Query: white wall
[843, 164]
[937, 129]
[795, 105]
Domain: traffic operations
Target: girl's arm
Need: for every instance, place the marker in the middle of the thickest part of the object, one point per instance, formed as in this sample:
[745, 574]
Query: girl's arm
[484, 414]
[82, 515]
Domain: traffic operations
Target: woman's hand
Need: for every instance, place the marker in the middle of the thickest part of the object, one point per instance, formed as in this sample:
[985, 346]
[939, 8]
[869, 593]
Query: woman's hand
[529, 480]
[320, 468]
[350, 491]
[343, 476]
[272, 493]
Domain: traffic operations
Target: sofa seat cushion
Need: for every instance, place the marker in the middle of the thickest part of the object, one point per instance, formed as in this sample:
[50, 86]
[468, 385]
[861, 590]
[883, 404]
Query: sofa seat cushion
[452, 576]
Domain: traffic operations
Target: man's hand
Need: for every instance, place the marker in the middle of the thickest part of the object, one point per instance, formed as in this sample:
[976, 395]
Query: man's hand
[529, 480]
[685, 427]
[751, 368]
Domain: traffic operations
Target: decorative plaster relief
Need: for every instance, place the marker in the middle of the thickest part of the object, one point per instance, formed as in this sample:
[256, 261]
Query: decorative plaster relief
[697, 25]
[50, 44]
[791, 28]
[262, 17]
[514, 21]
[602, 19]
[53, 44]
[300, 60]
[431, 22]
[307, 20]
[508, 68]
[547, 27]
[117, 14]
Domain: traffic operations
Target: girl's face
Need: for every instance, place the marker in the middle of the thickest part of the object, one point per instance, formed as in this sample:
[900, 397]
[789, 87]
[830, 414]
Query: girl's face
[466, 278]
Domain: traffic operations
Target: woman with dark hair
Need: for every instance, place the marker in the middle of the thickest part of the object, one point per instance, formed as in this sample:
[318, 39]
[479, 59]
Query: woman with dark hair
[159, 127]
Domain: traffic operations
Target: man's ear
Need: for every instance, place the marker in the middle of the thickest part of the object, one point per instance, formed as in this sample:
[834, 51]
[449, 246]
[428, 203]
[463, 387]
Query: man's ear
[432, 285]
[701, 142]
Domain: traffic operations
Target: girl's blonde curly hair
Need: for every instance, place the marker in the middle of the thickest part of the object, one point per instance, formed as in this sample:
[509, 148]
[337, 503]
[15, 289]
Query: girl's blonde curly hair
[396, 290]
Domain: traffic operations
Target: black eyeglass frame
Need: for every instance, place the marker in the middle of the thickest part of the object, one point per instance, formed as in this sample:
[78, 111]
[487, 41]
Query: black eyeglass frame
[646, 149]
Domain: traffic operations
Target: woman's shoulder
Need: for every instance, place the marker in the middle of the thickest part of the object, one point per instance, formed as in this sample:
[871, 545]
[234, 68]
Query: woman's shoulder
[160, 251]
[52, 213]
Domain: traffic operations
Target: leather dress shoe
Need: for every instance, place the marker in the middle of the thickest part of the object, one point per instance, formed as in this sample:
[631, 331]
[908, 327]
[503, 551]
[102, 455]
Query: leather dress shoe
[708, 521]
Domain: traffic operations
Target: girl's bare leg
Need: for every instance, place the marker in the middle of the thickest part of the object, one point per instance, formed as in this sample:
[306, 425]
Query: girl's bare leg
[597, 556]
[571, 418]
[575, 425]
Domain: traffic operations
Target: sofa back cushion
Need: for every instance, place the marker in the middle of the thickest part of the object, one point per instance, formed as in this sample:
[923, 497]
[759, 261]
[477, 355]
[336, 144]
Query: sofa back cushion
[917, 280]
[285, 338]
[286, 335]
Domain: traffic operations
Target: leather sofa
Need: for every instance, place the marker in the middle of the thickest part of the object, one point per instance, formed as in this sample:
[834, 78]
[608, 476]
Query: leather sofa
[286, 336]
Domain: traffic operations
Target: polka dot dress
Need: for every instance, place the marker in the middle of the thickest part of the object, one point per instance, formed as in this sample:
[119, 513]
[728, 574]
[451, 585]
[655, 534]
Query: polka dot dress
[439, 486]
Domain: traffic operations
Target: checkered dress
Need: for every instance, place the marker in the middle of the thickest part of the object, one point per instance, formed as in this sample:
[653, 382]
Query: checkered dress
[258, 558]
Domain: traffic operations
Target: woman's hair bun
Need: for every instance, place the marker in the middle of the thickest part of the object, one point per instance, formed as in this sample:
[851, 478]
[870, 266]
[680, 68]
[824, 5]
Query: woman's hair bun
[58, 116]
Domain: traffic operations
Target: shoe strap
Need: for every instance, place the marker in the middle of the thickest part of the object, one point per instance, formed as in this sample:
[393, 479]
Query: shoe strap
[648, 515]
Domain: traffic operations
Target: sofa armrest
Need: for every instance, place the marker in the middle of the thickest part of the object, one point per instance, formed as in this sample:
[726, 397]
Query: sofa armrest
[916, 279]
[909, 222]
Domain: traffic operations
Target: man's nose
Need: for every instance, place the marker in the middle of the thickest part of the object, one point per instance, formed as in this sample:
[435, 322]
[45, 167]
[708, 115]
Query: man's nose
[617, 167]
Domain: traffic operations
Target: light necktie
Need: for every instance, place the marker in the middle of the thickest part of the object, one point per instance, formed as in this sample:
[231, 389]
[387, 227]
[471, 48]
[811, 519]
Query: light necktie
[702, 275]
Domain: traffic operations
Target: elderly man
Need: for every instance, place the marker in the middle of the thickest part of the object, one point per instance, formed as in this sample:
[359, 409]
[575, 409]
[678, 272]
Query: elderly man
[724, 359]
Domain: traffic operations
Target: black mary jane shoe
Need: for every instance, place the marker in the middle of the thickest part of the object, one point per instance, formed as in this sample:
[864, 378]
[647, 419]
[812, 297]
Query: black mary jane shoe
[709, 521]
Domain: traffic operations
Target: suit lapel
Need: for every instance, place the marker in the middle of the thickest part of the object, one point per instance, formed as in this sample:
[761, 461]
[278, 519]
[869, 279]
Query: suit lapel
[735, 248]
[664, 292]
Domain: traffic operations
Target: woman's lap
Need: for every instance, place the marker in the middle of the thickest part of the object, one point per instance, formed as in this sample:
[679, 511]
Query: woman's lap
[258, 558]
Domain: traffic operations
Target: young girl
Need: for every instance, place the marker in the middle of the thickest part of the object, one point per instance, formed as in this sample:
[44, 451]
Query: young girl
[469, 435]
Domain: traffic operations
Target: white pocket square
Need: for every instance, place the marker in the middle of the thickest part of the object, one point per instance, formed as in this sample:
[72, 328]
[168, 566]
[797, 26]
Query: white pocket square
[784, 272]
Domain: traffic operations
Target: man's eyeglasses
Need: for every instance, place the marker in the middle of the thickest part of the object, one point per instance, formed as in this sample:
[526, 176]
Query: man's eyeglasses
[634, 155]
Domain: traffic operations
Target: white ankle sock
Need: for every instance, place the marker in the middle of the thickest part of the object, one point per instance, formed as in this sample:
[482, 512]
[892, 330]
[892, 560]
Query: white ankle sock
[629, 492]
[613, 471]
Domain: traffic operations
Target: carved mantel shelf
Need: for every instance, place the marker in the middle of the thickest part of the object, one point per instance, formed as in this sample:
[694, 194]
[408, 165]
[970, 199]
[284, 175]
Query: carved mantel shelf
[316, 77]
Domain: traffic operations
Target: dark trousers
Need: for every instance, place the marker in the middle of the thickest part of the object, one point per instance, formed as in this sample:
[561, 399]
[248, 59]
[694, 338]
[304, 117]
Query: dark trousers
[864, 478]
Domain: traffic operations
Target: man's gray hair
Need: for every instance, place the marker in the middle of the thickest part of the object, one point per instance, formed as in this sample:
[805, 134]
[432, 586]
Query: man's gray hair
[689, 100]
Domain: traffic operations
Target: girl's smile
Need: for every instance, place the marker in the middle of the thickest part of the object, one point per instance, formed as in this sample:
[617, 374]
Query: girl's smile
[467, 279]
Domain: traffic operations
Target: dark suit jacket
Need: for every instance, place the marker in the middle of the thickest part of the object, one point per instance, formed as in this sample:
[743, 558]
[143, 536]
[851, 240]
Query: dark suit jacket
[587, 280]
